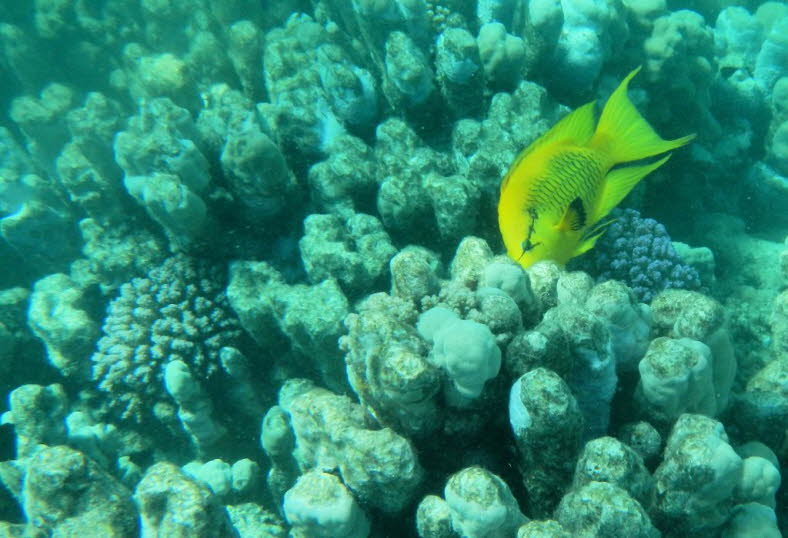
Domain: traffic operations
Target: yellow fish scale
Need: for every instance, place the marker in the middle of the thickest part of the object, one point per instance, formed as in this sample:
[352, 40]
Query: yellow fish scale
[555, 175]
[556, 194]
[571, 173]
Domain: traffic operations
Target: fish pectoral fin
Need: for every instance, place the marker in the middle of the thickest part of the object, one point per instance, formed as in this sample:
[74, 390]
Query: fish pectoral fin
[590, 236]
[619, 182]
[598, 228]
[574, 218]
[587, 245]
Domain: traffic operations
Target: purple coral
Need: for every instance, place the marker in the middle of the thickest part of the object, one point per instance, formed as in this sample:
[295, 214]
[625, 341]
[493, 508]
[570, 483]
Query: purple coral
[638, 252]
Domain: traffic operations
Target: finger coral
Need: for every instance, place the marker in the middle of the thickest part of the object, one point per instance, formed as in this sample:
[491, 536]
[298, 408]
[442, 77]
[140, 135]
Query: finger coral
[178, 311]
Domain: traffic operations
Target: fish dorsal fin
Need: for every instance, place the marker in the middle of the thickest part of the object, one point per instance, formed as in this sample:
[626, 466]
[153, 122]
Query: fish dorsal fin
[619, 182]
[577, 127]
[624, 134]
[574, 218]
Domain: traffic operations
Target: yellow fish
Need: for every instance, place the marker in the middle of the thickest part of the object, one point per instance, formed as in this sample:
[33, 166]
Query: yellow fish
[558, 190]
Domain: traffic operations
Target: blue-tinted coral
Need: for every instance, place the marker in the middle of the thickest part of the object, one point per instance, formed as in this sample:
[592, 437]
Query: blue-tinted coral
[638, 252]
[179, 311]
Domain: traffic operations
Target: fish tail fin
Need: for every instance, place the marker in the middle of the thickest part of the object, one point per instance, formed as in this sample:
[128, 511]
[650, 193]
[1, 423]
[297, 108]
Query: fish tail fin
[624, 134]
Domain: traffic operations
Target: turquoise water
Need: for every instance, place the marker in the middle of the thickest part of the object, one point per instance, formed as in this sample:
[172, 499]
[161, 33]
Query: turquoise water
[252, 281]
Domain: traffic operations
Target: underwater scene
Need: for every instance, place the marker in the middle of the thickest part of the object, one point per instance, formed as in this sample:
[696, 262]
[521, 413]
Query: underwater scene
[393, 268]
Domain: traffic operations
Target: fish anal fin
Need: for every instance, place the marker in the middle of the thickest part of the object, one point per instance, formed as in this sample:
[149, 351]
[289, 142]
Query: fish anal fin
[619, 182]
[574, 218]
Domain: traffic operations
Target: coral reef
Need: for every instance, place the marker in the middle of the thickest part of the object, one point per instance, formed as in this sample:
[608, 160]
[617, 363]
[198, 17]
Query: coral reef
[179, 312]
[68, 332]
[170, 503]
[164, 170]
[319, 503]
[251, 282]
[638, 252]
[547, 426]
[101, 503]
[329, 431]
[475, 503]
[355, 252]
